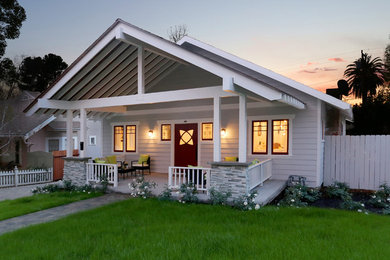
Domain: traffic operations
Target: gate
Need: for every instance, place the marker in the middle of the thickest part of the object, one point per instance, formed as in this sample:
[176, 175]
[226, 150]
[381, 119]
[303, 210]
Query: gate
[58, 163]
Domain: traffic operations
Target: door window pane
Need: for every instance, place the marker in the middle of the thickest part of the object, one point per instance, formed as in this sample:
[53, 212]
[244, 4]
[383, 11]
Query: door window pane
[118, 138]
[165, 132]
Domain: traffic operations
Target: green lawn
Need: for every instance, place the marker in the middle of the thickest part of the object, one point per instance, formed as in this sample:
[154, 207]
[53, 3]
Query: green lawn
[149, 229]
[22, 206]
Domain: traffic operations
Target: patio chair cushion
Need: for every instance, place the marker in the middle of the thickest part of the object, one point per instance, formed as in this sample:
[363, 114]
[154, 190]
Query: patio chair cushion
[97, 160]
[140, 165]
[143, 158]
[111, 159]
[255, 161]
[231, 159]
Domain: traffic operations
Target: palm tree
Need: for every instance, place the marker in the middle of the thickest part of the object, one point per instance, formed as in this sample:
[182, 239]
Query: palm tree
[364, 76]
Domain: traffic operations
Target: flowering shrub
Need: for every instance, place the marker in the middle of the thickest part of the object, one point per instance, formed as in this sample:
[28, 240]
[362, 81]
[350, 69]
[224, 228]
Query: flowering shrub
[188, 193]
[338, 190]
[381, 198]
[350, 204]
[219, 197]
[65, 186]
[299, 196]
[166, 194]
[246, 202]
[141, 188]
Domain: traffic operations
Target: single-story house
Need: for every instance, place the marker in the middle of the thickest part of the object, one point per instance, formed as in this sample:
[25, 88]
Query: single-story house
[189, 103]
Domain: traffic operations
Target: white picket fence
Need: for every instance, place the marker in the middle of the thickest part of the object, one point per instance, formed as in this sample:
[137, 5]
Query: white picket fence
[96, 172]
[25, 177]
[363, 162]
[198, 176]
[258, 173]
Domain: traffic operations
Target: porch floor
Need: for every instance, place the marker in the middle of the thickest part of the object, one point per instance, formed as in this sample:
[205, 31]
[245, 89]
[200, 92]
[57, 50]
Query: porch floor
[269, 191]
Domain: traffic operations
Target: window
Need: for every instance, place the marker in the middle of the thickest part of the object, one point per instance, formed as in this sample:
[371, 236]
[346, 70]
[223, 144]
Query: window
[92, 140]
[130, 138]
[207, 131]
[54, 145]
[165, 132]
[118, 138]
[280, 136]
[259, 137]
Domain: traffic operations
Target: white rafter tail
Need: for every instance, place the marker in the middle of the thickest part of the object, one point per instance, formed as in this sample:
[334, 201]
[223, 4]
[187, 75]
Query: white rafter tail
[39, 127]
[292, 101]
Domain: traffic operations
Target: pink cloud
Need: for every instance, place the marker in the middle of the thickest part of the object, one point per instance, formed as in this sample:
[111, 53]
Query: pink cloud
[315, 70]
[336, 59]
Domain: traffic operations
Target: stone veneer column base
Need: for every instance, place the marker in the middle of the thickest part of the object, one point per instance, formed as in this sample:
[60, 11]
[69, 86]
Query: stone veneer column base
[229, 176]
[74, 170]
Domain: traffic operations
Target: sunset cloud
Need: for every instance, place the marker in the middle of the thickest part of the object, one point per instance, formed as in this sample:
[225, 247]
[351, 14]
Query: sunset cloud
[336, 59]
[315, 70]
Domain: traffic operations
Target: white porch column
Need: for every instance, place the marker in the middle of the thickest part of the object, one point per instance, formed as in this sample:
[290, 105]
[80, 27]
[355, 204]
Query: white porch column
[69, 133]
[242, 121]
[141, 70]
[217, 129]
[83, 132]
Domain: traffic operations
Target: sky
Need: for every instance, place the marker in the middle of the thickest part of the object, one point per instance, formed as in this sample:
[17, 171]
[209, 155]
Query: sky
[309, 41]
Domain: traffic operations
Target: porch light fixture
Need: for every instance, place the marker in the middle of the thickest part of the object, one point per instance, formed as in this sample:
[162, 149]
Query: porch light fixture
[223, 132]
[150, 133]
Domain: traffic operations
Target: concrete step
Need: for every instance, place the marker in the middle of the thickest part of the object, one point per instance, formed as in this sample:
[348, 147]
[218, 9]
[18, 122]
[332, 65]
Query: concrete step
[269, 191]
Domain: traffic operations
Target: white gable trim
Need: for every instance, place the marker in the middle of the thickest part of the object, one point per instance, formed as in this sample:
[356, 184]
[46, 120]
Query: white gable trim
[294, 84]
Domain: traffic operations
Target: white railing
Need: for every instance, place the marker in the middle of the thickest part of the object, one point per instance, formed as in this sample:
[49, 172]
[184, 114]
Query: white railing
[25, 177]
[258, 173]
[198, 176]
[96, 172]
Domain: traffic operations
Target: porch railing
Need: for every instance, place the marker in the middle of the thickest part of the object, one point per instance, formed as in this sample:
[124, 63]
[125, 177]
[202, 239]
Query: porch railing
[25, 177]
[198, 176]
[258, 173]
[97, 172]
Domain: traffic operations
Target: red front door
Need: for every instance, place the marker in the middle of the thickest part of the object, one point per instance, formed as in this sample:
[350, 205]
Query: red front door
[186, 144]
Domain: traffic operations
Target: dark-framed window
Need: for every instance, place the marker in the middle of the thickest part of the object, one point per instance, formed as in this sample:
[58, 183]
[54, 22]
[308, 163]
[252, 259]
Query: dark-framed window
[207, 131]
[118, 138]
[166, 132]
[131, 134]
[280, 136]
[260, 137]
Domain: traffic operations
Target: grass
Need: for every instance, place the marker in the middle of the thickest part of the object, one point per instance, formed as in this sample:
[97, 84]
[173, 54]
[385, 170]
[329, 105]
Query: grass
[25, 205]
[150, 229]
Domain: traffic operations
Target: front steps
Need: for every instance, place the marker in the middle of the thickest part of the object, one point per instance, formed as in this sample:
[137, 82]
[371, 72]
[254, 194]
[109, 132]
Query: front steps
[269, 191]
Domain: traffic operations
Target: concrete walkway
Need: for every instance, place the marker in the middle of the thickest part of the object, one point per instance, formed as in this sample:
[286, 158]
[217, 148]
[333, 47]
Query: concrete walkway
[19, 192]
[52, 214]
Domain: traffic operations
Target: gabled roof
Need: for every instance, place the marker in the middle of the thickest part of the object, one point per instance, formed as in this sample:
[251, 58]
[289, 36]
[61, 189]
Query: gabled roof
[111, 58]
[253, 70]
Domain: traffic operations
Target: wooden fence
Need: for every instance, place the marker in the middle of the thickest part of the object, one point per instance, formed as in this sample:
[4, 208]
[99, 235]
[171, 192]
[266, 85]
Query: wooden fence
[25, 177]
[58, 163]
[363, 162]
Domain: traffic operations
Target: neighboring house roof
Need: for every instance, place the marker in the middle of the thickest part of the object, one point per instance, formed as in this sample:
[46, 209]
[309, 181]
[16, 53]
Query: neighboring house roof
[17, 124]
[122, 39]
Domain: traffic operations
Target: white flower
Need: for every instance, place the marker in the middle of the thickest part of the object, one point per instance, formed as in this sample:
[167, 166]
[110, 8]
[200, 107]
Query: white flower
[144, 197]
[255, 194]
[180, 201]
[366, 213]
[362, 204]
[253, 200]
[257, 207]
[359, 210]
[373, 196]
[183, 202]
[83, 190]
[292, 200]
[177, 192]
[89, 192]
[245, 203]
[388, 199]
[379, 201]
[250, 208]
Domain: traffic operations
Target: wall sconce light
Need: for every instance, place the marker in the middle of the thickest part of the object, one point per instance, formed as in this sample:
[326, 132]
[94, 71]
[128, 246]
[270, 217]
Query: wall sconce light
[150, 133]
[223, 132]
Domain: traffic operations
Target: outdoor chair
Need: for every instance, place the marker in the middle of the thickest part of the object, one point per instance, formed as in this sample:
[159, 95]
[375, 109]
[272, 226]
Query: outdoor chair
[143, 163]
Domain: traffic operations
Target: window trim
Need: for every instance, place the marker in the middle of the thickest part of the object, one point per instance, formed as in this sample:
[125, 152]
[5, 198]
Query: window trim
[123, 137]
[135, 139]
[161, 133]
[253, 137]
[288, 137]
[212, 131]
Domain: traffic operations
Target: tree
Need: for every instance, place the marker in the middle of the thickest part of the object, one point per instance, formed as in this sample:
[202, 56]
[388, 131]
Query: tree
[387, 64]
[37, 73]
[12, 16]
[177, 32]
[364, 75]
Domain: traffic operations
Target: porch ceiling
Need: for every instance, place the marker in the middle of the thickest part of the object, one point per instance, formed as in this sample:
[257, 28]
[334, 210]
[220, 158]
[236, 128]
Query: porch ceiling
[113, 72]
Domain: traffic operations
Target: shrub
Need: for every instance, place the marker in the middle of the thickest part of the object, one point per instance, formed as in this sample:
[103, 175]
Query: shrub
[188, 193]
[381, 198]
[299, 196]
[166, 194]
[141, 188]
[219, 197]
[338, 190]
[349, 204]
[246, 202]
[66, 186]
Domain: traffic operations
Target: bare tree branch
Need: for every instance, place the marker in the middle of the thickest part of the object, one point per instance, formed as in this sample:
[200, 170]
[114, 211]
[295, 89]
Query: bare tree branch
[175, 33]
